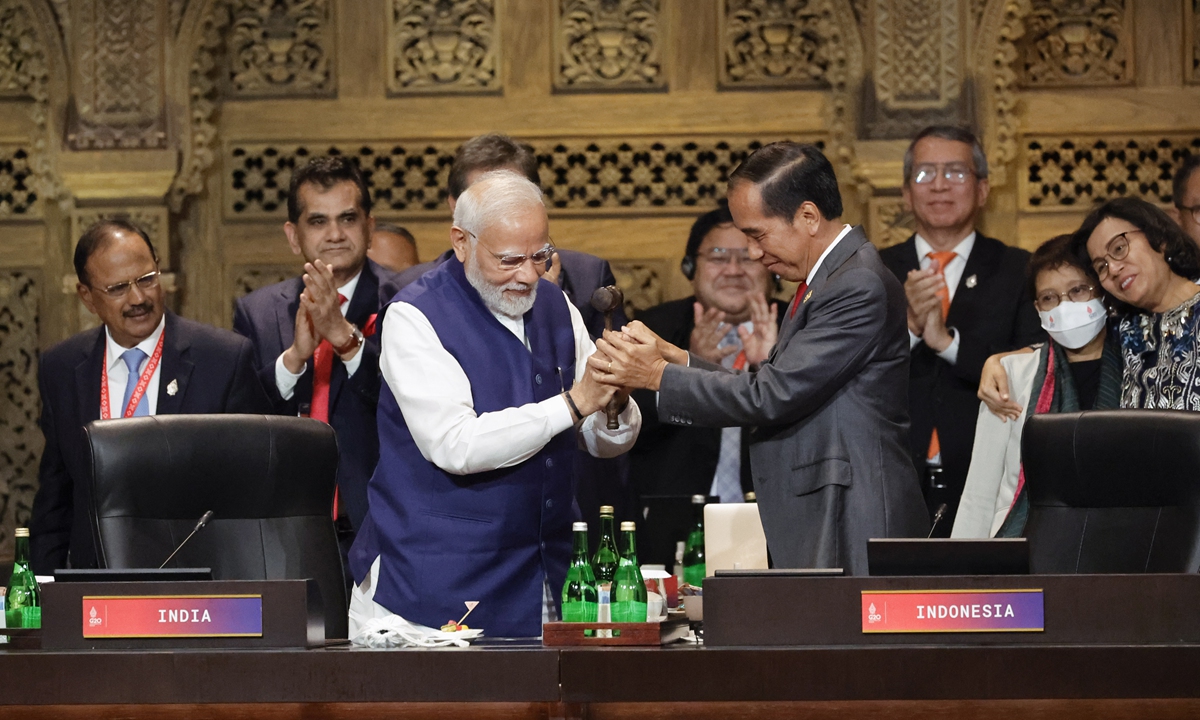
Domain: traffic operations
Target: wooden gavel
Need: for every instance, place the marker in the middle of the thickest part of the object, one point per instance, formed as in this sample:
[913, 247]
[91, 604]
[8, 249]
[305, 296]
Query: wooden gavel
[607, 299]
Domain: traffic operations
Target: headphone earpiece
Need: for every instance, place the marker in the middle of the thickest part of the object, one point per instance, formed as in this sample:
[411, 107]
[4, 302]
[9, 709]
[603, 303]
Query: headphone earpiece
[688, 267]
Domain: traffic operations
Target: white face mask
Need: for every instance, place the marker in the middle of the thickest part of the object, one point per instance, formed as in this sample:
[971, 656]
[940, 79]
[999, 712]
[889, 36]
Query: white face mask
[1074, 324]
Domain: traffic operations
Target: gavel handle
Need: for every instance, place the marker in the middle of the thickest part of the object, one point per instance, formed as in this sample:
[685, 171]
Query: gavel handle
[612, 411]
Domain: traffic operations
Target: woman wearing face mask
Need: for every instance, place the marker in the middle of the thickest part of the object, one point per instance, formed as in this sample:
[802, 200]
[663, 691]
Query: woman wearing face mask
[1079, 369]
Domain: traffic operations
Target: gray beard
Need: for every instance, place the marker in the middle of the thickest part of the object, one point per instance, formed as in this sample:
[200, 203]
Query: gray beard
[493, 295]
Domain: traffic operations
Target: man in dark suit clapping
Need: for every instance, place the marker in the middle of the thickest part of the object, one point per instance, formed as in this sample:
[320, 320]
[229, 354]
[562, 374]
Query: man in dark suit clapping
[967, 299]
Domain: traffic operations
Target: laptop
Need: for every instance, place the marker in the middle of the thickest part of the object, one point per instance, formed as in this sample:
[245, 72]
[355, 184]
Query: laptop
[131, 574]
[947, 556]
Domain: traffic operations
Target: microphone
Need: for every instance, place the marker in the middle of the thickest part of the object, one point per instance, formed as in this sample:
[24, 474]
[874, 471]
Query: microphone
[937, 518]
[199, 525]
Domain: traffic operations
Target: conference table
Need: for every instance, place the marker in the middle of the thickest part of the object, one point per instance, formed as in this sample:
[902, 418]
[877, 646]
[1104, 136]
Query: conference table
[1128, 667]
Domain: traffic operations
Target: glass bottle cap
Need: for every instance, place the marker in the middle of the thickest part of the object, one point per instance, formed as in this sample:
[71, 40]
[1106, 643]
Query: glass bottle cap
[606, 509]
[579, 526]
[21, 532]
[699, 499]
[628, 526]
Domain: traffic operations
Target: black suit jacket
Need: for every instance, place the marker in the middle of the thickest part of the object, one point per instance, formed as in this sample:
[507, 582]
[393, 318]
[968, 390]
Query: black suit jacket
[213, 372]
[267, 317]
[995, 315]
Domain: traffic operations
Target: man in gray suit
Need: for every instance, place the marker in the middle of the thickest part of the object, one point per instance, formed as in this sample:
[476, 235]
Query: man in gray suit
[829, 408]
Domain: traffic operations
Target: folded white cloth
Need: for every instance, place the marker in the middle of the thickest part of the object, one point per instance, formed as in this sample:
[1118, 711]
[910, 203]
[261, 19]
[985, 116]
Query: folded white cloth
[394, 631]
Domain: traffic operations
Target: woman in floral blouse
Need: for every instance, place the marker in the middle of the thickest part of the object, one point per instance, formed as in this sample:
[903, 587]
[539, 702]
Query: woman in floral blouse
[1148, 268]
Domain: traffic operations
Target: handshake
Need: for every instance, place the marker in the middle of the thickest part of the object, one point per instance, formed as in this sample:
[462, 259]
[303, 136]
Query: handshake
[627, 359]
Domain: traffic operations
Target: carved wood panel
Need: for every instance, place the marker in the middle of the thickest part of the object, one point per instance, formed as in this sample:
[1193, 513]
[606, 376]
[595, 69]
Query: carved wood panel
[18, 193]
[21, 60]
[118, 97]
[608, 44]
[154, 220]
[641, 281]
[1079, 172]
[917, 63]
[888, 221]
[1078, 42]
[279, 47]
[1191, 65]
[776, 42]
[20, 440]
[636, 174]
[442, 46]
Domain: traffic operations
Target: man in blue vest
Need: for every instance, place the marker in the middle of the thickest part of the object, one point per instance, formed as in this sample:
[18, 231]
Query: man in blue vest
[486, 396]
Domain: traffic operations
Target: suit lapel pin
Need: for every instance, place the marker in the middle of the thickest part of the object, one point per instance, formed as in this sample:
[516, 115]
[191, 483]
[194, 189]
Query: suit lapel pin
[806, 297]
[172, 387]
[972, 281]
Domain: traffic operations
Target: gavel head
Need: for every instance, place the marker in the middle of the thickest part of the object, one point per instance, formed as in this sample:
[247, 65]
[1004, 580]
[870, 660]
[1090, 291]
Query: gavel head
[607, 299]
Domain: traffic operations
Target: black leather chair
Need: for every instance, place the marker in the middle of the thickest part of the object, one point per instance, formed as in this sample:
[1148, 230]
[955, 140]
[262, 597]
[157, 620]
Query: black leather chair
[269, 481]
[1113, 491]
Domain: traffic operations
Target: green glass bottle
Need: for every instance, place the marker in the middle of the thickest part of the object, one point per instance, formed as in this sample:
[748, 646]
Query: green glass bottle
[23, 604]
[604, 563]
[579, 599]
[693, 554]
[628, 589]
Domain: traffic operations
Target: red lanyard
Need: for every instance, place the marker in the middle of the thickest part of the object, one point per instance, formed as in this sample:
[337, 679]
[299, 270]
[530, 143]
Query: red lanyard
[139, 391]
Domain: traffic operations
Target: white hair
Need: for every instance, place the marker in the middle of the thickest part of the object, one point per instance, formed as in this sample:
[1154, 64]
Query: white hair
[495, 196]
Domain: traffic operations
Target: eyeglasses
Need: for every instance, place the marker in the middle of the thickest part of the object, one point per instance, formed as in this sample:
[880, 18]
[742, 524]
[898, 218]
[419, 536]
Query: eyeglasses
[512, 262]
[955, 173]
[1047, 300]
[1194, 210]
[1117, 249]
[120, 290]
[726, 256]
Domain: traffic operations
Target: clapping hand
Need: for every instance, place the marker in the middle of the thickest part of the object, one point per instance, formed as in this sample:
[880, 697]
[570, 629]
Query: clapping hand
[765, 317]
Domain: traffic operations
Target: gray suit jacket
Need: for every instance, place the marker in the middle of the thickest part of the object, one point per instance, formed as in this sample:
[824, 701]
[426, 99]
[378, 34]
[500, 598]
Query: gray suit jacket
[829, 449]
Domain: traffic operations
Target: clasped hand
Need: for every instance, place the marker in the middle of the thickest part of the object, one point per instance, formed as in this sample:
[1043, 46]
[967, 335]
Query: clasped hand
[319, 317]
[924, 290]
[633, 357]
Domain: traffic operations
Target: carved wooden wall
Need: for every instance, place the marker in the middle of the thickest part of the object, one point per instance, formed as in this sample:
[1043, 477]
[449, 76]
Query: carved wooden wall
[189, 115]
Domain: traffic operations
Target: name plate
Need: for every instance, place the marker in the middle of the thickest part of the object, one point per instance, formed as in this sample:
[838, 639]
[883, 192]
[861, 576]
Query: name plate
[952, 611]
[172, 616]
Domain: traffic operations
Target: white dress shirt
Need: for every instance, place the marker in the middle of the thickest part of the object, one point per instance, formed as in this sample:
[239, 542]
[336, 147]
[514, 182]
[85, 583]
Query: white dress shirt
[285, 380]
[434, 394]
[118, 372]
[817, 265]
[953, 273]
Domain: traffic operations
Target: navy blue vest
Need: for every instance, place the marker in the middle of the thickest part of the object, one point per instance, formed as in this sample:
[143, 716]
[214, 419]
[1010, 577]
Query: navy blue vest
[444, 539]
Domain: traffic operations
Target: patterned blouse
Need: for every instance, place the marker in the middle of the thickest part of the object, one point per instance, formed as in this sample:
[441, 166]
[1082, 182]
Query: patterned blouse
[1161, 353]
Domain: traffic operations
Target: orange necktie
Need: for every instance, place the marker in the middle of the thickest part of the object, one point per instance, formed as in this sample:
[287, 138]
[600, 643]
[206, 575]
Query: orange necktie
[942, 259]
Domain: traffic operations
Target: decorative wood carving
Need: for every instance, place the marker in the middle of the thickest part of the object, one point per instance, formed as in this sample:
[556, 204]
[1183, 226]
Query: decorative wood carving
[203, 88]
[250, 278]
[442, 46]
[776, 42]
[669, 175]
[608, 44]
[22, 64]
[996, 37]
[279, 47]
[641, 281]
[917, 55]
[117, 67]
[154, 220]
[888, 221]
[1079, 172]
[18, 194]
[1077, 42]
[20, 441]
[176, 8]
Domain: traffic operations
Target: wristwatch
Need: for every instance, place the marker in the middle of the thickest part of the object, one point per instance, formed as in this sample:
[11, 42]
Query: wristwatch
[355, 342]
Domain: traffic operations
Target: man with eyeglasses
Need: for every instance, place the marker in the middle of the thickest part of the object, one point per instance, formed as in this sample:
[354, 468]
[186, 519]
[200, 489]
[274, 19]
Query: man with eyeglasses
[1185, 196]
[486, 399]
[599, 481]
[966, 300]
[315, 335]
[142, 360]
[727, 321]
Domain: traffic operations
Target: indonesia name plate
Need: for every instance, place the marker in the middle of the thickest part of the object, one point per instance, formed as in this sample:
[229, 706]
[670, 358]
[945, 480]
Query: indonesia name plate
[952, 611]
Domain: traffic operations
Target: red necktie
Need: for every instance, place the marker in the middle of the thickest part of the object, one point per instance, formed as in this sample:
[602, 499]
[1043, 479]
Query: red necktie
[800, 290]
[322, 371]
[942, 259]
